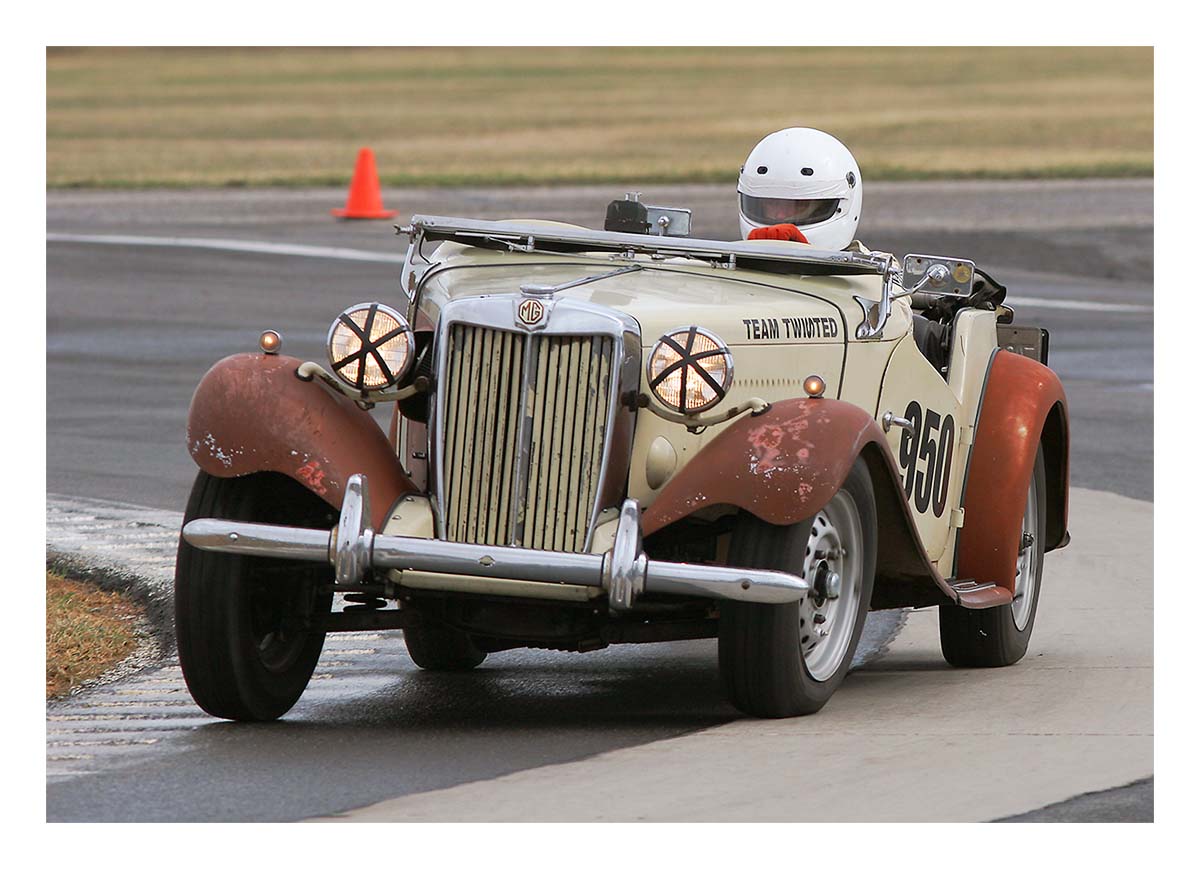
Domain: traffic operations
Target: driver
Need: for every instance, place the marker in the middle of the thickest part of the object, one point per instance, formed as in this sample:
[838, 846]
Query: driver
[802, 184]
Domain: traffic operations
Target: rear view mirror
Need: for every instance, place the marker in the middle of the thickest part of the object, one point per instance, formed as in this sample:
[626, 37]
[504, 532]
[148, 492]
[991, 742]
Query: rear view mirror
[938, 274]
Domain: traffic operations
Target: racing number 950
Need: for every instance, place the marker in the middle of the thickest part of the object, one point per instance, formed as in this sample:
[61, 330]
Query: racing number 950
[925, 458]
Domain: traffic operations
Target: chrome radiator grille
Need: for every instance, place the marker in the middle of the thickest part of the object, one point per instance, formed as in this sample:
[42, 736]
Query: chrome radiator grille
[524, 435]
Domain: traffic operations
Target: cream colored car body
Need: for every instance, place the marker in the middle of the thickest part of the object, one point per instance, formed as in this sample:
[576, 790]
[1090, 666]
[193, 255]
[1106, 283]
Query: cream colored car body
[780, 328]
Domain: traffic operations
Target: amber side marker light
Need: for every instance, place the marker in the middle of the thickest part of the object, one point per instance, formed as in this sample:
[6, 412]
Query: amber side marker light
[814, 385]
[270, 342]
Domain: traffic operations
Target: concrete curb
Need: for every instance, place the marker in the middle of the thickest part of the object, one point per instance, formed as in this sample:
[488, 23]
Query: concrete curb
[123, 548]
[907, 738]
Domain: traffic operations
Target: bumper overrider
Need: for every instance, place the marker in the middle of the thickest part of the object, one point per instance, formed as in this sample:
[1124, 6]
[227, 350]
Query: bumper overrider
[353, 548]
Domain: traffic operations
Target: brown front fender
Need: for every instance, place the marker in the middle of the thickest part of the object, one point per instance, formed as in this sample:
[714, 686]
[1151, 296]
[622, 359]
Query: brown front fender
[251, 413]
[784, 465]
[1024, 405]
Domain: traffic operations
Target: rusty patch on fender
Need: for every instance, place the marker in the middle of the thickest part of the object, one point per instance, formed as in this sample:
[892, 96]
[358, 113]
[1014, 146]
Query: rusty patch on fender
[251, 413]
[781, 446]
[783, 465]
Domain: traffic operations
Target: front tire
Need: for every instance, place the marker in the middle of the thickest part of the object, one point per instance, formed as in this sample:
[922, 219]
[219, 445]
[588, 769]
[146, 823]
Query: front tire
[248, 628]
[999, 636]
[782, 660]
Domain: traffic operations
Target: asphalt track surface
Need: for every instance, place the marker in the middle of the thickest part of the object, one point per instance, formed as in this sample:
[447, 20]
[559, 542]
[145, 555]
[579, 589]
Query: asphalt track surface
[131, 327]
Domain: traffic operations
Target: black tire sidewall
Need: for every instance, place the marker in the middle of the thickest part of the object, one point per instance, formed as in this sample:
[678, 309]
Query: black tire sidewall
[217, 648]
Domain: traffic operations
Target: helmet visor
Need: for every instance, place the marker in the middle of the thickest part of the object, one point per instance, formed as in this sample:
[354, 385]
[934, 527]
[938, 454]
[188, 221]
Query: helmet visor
[801, 212]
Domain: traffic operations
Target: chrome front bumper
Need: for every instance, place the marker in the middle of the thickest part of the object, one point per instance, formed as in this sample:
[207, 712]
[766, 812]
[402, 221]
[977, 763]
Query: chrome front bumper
[625, 572]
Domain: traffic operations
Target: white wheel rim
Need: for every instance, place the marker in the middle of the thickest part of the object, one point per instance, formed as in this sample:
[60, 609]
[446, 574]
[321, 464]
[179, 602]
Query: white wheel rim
[827, 624]
[1026, 577]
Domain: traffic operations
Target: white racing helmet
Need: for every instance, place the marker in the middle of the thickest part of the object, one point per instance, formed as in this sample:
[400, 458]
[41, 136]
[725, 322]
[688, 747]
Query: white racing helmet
[804, 177]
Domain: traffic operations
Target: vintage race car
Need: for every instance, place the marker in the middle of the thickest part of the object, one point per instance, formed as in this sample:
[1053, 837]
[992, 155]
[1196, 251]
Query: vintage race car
[573, 463]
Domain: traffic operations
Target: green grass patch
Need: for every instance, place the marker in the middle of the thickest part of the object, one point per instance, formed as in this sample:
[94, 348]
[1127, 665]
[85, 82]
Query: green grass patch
[459, 116]
[88, 630]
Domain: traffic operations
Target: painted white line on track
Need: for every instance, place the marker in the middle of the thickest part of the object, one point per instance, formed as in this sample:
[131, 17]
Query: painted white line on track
[348, 253]
[1079, 305]
[230, 244]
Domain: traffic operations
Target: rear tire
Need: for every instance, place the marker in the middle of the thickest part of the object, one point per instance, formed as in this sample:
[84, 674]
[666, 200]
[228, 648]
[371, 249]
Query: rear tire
[246, 627]
[1000, 636]
[442, 649]
[773, 662]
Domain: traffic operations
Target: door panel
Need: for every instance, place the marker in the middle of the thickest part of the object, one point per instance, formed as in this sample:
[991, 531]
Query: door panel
[931, 456]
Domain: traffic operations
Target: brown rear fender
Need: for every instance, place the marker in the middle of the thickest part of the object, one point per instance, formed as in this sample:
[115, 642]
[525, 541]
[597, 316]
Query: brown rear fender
[1023, 406]
[784, 465]
[251, 413]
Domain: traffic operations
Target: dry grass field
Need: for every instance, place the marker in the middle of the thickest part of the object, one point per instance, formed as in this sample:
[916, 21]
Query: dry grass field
[216, 117]
[88, 630]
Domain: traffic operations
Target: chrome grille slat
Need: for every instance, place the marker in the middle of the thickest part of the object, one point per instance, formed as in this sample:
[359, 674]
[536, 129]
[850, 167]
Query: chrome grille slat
[534, 508]
[485, 439]
[600, 357]
[545, 483]
[470, 452]
[564, 512]
[555, 391]
[586, 421]
[585, 401]
[456, 409]
[497, 503]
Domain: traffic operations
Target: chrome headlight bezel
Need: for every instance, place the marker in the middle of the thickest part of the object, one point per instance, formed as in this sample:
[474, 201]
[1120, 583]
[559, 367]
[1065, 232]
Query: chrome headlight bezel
[373, 373]
[680, 341]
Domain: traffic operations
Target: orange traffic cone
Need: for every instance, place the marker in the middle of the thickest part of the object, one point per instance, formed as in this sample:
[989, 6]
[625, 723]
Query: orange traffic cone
[364, 201]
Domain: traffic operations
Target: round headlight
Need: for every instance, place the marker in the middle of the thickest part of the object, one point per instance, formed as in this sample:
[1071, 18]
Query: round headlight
[689, 369]
[370, 346]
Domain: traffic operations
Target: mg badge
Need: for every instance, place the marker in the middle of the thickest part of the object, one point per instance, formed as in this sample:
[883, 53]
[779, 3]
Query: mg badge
[530, 312]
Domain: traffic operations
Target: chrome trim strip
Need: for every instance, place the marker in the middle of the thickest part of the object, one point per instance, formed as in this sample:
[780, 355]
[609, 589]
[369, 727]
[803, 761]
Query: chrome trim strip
[624, 572]
[250, 538]
[703, 580]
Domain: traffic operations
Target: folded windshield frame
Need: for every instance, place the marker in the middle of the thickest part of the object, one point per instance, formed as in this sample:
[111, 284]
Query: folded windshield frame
[537, 238]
